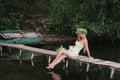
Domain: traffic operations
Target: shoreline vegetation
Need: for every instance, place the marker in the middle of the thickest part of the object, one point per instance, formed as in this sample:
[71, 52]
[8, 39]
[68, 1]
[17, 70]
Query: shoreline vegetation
[52, 38]
[100, 18]
[61, 39]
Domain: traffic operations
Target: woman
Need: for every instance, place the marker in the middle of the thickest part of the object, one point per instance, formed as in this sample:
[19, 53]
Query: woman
[55, 76]
[81, 43]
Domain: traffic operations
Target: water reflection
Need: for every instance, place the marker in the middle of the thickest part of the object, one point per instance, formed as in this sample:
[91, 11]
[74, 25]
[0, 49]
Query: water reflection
[21, 61]
[68, 75]
[32, 63]
[55, 76]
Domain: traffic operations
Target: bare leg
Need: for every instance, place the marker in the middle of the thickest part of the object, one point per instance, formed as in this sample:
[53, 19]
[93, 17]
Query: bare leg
[59, 55]
[57, 61]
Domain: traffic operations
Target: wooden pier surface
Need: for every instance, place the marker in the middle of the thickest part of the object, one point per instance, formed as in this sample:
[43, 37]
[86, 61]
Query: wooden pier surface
[82, 59]
[30, 49]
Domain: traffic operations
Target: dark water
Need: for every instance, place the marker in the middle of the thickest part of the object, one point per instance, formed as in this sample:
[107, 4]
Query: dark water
[11, 69]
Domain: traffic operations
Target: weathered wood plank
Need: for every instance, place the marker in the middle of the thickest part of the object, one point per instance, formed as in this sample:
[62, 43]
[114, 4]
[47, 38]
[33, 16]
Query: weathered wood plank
[31, 49]
[21, 34]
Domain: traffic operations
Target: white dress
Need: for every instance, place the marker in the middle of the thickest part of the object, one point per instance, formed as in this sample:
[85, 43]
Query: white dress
[74, 51]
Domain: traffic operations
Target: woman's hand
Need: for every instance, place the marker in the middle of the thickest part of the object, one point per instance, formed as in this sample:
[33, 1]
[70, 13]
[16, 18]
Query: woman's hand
[91, 57]
[71, 47]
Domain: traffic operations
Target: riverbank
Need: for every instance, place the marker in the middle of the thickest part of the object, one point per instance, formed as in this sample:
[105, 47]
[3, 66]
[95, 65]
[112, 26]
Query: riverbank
[52, 38]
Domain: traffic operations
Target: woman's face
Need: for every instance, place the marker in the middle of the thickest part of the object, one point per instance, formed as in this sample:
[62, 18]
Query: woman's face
[81, 35]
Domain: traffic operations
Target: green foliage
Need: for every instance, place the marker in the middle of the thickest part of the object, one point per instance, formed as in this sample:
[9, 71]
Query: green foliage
[2, 10]
[99, 17]
[10, 23]
[29, 6]
[61, 16]
[33, 24]
[47, 27]
[60, 48]
[15, 8]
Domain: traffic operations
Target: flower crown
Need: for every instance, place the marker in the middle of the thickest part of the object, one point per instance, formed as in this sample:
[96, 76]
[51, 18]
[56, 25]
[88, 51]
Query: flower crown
[81, 30]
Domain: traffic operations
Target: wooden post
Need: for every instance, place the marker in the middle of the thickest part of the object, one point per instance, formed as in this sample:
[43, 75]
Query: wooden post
[80, 63]
[1, 50]
[9, 49]
[32, 63]
[32, 56]
[20, 53]
[87, 78]
[112, 72]
[49, 59]
[20, 61]
[63, 60]
[99, 67]
[66, 63]
[66, 71]
[88, 66]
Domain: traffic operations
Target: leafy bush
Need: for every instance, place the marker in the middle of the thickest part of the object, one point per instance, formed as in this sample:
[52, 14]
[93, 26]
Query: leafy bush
[99, 17]
[10, 23]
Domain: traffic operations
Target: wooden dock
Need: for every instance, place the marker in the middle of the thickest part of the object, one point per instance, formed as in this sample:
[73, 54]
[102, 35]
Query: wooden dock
[81, 59]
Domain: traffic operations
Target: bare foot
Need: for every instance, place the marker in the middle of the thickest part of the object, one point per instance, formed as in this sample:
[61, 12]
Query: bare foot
[50, 67]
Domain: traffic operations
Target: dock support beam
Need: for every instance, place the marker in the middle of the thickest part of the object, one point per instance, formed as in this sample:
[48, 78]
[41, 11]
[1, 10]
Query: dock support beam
[66, 64]
[1, 50]
[80, 63]
[20, 53]
[32, 56]
[88, 66]
[32, 63]
[112, 72]
[49, 59]
[9, 49]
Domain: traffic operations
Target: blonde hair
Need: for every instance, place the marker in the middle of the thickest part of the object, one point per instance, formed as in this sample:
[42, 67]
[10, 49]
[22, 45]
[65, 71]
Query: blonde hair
[79, 39]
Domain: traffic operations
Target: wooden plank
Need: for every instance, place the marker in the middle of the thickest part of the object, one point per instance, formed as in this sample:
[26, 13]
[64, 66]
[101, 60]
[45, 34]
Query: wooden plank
[22, 34]
[100, 62]
[53, 53]
[32, 49]
[13, 35]
[31, 34]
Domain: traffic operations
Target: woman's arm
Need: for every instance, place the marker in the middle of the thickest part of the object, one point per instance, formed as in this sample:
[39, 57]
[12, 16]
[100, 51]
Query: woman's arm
[86, 48]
